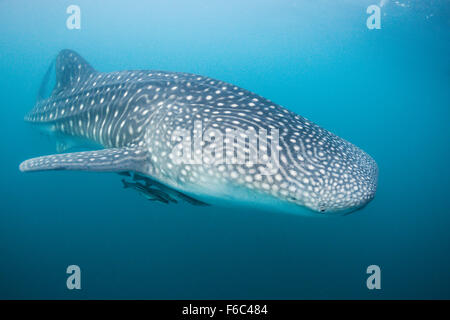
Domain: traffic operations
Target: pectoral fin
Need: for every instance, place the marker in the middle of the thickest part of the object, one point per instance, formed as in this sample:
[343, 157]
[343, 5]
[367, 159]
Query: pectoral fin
[106, 160]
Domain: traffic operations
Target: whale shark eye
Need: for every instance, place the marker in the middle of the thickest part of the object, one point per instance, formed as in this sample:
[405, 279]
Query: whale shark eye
[322, 208]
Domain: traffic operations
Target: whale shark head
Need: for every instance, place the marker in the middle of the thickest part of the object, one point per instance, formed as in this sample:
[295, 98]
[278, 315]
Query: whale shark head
[334, 180]
[340, 181]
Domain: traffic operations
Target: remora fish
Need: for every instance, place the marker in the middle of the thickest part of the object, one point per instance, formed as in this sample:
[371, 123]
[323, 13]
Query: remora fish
[149, 193]
[134, 114]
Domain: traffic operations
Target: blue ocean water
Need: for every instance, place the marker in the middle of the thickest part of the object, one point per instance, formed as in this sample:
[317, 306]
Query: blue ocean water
[386, 90]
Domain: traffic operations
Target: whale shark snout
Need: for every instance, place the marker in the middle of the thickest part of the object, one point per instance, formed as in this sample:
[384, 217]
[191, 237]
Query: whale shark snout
[335, 178]
[355, 187]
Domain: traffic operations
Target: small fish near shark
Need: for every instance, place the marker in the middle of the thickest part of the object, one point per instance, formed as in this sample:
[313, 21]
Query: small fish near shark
[132, 117]
[153, 190]
[148, 192]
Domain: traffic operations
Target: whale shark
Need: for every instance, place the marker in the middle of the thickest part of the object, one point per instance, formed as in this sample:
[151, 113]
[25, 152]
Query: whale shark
[172, 129]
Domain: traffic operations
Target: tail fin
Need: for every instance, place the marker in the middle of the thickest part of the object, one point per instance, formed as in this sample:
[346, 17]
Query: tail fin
[45, 90]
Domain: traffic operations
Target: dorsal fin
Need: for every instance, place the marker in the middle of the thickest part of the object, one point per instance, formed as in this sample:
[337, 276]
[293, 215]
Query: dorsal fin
[70, 68]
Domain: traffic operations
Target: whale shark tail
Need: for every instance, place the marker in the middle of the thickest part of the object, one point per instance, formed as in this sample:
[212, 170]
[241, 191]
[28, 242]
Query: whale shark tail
[45, 89]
